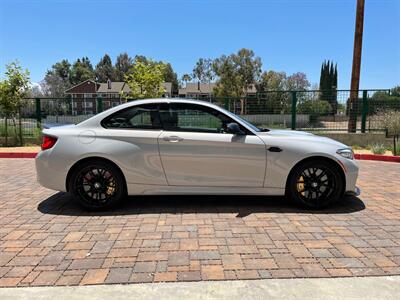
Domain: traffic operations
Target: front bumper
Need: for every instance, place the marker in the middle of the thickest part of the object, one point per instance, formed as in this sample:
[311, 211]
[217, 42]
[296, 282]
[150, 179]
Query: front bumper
[350, 169]
[356, 193]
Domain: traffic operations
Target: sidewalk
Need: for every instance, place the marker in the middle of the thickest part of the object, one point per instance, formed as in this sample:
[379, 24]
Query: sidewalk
[27, 149]
[365, 288]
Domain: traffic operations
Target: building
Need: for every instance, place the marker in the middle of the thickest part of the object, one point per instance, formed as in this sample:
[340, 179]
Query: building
[197, 90]
[84, 95]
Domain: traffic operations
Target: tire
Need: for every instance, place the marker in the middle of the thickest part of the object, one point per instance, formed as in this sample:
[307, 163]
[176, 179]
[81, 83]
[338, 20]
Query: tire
[97, 185]
[315, 184]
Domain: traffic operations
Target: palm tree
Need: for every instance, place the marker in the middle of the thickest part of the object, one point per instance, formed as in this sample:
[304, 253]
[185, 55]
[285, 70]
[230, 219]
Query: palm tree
[186, 78]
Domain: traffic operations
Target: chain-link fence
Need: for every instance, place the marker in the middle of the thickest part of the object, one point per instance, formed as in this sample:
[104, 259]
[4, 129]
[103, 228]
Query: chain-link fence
[304, 110]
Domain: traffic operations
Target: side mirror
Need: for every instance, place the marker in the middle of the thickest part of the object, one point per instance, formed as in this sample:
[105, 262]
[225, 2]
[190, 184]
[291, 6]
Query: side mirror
[234, 128]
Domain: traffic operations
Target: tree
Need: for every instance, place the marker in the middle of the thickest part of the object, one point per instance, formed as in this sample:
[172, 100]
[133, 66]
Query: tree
[328, 84]
[390, 120]
[141, 58]
[393, 95]
[170, 76]
[203, 71]
[145, 79]
[236, 74]
[62, 69]
[122, 65]
[104, 69]
[53, 85]
[270, 89]
[314, 108]
[35, 90]
[81, 70]
[12, 90]
[186, 78]
[297, 82]
[272, 81]
[168, 72]
[395, 91]
[57, 79]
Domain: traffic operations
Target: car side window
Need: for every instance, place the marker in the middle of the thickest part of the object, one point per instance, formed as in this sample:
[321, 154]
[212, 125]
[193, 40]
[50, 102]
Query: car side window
[136, 117]
[193, 118]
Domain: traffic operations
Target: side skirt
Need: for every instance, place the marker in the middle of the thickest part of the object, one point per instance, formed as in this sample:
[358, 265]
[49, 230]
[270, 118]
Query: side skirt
[143, 189]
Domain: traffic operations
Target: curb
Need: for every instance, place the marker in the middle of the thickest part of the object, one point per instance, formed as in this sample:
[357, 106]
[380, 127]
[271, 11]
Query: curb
[18, 154]
[375, 157]
[378, 157]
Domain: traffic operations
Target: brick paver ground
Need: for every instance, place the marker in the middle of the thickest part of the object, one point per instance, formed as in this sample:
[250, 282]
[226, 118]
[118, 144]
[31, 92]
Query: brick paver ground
[45, 239]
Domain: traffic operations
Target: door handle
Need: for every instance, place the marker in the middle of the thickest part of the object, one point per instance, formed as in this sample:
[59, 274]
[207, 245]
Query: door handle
[274, 149]
[172, 139]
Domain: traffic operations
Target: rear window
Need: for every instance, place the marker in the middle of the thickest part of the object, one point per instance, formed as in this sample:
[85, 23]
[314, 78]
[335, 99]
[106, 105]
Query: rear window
[136, 117]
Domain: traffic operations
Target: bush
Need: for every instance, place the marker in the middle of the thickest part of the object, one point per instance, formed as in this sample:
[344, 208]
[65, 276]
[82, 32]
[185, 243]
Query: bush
[390, 120]
[314, 108]
[378, 148]
[397, 150]
[38, 135]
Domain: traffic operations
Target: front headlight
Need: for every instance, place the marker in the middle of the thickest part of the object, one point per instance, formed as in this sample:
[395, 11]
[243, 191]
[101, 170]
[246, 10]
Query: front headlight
[346, 153]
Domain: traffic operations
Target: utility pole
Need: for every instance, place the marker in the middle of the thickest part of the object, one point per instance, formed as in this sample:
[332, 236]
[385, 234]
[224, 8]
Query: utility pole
[355, 72]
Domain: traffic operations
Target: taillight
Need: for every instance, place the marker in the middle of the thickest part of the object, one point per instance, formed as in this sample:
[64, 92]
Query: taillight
[48, 142]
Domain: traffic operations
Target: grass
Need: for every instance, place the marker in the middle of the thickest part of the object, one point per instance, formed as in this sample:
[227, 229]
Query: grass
[32, 133]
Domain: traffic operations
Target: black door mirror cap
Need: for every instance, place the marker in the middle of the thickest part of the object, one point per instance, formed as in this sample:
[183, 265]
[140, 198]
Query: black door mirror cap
[234, 128]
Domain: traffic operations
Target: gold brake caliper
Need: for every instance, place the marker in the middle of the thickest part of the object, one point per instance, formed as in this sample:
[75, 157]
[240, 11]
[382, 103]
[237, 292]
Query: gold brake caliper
[300, 185]
[110, 188]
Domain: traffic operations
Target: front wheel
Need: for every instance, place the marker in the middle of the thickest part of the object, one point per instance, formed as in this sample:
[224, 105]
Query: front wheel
[315, 184]
[97, 185]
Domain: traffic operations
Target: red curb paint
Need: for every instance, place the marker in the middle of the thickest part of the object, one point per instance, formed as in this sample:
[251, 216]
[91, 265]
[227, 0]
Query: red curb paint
[376, 157]
[17, 155]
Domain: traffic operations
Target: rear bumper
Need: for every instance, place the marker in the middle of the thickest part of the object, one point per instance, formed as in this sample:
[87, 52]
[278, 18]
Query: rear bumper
[49, 174]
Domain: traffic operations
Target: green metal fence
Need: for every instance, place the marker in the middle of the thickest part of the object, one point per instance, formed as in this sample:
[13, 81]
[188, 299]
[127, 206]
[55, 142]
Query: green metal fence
[312, 110]
[303, 110]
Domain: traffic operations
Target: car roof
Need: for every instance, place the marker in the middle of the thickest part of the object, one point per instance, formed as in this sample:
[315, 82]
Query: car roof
[171, 100]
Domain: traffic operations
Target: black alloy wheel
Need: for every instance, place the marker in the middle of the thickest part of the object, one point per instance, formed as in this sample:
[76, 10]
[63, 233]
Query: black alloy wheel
[97, 185]
[315, 184]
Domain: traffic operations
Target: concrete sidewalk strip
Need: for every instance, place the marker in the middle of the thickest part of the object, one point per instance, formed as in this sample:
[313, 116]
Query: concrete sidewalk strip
[382, 288]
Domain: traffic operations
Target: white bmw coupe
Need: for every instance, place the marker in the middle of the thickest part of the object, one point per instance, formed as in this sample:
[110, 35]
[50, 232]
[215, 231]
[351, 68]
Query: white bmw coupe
[180, 146]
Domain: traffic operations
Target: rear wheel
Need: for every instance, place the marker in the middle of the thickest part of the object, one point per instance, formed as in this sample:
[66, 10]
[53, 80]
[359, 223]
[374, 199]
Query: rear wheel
[315, 184]
[97, 185]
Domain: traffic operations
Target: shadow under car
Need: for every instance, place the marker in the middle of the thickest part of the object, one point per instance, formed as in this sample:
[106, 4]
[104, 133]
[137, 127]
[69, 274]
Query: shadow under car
[63, 204]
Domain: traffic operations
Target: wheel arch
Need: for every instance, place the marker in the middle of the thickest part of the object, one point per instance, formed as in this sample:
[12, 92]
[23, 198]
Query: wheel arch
[92, 158]
[319, 158]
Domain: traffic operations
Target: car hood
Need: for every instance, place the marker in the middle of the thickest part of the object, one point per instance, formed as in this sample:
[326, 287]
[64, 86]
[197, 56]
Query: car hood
[295, 135]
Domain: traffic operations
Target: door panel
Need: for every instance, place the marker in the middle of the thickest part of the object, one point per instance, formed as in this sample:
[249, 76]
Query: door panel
[212, 159]
[130, 138]
[135, 152]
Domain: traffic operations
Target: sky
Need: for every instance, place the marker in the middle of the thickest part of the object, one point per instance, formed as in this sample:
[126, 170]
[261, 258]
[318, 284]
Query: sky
[288, 35]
